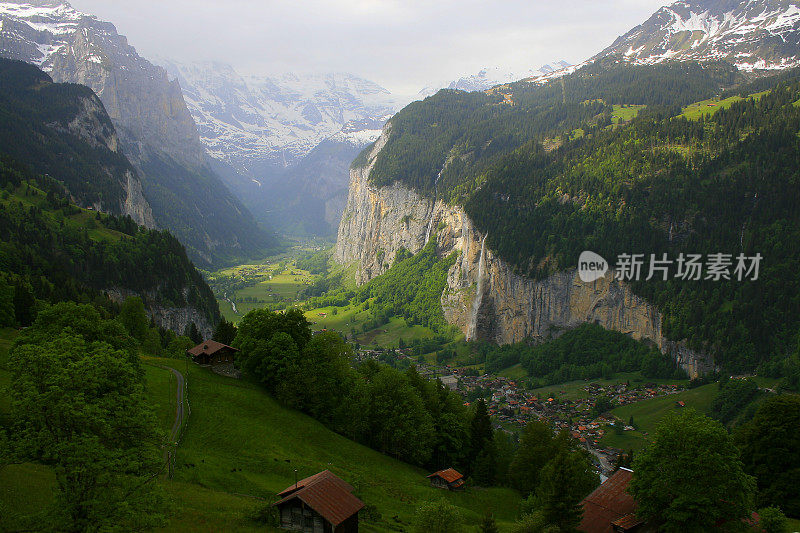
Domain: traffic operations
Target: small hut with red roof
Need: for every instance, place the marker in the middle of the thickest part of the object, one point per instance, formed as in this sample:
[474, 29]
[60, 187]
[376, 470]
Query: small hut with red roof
[322, 503]
[447, 479]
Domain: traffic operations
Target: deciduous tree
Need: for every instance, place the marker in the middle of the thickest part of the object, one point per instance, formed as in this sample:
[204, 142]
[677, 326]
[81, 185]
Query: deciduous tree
[690, 477]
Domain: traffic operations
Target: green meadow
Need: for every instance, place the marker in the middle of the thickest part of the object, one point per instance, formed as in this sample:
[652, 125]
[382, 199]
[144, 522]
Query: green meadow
[241, 445]
[647, 414]
[712, 105]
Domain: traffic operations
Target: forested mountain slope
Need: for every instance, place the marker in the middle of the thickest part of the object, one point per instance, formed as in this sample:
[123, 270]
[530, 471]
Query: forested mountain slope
[537, 174]
[47, 125]
[52, 251]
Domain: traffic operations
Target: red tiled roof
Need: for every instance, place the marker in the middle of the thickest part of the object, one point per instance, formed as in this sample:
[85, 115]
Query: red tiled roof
[608, 503]
[628, 521]
[209, 347]
[448, 475]
[327, 494]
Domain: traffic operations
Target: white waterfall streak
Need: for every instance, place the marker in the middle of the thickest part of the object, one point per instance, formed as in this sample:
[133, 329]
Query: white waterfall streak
[476, 304]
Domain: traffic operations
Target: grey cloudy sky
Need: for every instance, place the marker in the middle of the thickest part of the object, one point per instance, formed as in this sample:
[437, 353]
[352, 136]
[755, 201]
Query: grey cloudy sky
[402, 45]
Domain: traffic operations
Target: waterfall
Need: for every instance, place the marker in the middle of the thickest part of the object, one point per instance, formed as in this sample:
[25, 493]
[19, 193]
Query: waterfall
[476, 304]
[433, 206]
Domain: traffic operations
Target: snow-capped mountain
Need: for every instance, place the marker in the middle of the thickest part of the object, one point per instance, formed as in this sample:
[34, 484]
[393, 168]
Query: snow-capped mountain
[489, 77]
[751, 34]
[156, 130]
[254, 122]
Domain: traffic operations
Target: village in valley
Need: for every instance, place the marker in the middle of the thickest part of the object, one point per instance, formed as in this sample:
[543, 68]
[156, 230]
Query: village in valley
[512, 405]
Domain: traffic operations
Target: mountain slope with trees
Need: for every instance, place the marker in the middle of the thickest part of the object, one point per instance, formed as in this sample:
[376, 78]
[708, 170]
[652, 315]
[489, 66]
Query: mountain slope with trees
[660, 183]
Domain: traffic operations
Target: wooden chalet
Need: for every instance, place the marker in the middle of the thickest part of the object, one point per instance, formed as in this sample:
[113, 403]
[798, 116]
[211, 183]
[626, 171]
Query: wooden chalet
[610, 508]
[211, 353]
[322, 503]
[447, 479]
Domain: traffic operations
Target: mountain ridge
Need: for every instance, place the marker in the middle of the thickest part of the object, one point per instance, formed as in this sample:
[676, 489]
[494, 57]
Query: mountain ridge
[758, 35]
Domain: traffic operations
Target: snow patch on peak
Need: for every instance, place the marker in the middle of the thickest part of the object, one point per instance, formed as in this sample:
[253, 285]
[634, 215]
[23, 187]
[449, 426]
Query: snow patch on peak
[753, 35]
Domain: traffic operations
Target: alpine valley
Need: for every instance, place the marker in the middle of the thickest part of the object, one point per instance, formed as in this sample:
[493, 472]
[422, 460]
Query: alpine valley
[560, 299]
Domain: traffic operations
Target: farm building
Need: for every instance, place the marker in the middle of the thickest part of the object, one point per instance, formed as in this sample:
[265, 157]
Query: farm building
[447, 479]
[211, 353]
[610, 508]
[321, 503]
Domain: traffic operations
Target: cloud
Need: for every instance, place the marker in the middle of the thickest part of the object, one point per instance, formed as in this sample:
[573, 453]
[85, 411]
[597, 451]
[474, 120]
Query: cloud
[401, 44]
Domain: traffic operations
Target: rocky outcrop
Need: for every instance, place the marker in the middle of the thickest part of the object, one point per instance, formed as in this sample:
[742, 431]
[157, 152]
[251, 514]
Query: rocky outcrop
[92, 125]
[484, 297]
[176, 319]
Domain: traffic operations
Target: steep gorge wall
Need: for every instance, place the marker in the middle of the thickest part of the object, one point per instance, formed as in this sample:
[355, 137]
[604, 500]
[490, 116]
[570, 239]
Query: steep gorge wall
[484, 297]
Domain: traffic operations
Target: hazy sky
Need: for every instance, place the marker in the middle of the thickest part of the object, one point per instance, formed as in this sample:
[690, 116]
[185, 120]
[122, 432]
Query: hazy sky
[403, 45]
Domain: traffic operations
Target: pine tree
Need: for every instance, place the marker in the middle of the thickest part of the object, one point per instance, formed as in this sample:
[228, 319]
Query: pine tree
[481, 434]
[193, 333]
[225, 332]
[24, 304]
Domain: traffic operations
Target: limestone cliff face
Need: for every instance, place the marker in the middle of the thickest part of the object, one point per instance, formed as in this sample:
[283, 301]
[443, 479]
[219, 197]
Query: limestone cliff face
[91, 124]
[174, 318]
[484, 297]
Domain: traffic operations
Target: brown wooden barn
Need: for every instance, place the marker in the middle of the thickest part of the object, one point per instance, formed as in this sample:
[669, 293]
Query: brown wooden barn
[211, 353]
[322, 503]
[447, 479]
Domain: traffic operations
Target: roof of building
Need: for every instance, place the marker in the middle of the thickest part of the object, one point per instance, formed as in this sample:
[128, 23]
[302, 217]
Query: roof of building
[209, 347]
[450, 475]
[628, 521]
[327, 494]
[608, 504]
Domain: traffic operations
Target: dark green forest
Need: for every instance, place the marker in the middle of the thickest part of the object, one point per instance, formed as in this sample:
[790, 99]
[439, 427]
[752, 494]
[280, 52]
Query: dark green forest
[35, 117]
[586, 352]
[662, 183]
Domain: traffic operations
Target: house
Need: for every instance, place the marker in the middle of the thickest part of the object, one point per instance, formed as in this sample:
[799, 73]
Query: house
[451, 381]
[447, 479]
[610, 508]
[211, 353]
[322, 503]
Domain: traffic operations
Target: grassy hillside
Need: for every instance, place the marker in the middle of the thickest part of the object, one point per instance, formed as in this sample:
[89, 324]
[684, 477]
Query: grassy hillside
[241, 446]
[647, 414]
[240, 441]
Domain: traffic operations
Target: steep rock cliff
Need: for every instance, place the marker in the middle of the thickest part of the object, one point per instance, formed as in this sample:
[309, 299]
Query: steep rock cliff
[175, 318]
[484, 297]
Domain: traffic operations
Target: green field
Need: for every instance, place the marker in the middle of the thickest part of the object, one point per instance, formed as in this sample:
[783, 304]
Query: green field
[161, 389]
[241, 446]
[648, 413]
[276, 282]
[712, 105]
[350, 318]
[625, 113]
